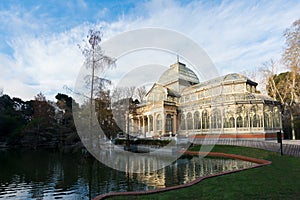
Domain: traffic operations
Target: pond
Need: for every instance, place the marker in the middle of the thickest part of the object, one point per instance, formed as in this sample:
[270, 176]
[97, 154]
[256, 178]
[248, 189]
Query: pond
[44, 174]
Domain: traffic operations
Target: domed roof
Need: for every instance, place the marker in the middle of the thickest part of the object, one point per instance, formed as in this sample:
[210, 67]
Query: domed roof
[234, 77]
[176, 72]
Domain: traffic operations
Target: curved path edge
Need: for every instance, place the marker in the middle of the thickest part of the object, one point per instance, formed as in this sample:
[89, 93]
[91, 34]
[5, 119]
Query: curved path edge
[259, 162]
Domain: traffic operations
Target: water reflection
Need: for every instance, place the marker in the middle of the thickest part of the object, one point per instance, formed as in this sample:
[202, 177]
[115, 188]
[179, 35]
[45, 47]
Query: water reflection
[187, 169]
[51, 175]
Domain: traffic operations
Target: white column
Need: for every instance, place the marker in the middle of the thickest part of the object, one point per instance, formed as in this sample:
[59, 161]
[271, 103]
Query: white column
[139, 128]
[272, 117]
[148, 120]
[154, 124]
[143, 122]
[127, 122]
[200, 118]
[235, 124]
[193, 121]
[163, 128]
[174, 123]
[131, 126]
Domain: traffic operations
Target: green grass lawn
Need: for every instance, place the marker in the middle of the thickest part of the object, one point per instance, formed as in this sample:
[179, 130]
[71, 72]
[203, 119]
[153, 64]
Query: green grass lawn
[280, 180]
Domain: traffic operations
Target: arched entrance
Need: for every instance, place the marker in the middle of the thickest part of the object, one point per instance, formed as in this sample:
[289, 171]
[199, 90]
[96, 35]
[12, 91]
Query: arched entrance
[169, 124]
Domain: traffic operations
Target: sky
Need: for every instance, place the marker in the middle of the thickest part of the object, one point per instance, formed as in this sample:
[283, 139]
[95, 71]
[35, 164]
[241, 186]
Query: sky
[39, 38]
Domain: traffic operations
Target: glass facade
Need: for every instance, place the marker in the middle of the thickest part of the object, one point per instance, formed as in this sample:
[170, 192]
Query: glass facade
[230, 103]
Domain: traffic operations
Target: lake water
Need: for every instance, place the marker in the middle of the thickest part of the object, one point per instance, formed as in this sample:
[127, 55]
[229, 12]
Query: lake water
[44, 174]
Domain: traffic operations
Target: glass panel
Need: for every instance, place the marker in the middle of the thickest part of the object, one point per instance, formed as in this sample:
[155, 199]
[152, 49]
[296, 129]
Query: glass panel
[182, 122]
[216, 119]
[189, 121]
[196, 120]
[239, 122]
[205, 120]
[158, 123]
[169, 123]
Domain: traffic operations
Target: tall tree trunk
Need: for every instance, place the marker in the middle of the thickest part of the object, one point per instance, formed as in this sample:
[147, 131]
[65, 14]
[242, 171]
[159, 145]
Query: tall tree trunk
[293, 73]
[90, 134]
[292, 125]
[92, 91]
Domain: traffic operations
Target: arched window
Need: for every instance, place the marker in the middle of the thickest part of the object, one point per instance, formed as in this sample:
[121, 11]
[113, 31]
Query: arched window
[151, 122]
[246, 121]
[158, 122]
[254, 117]
[239, 119]
[205, 120]
[196, 120]
[189, 121]
[216, 121]
[169, 123]
[231, 122]
[182, 122]
[242, 120]
[267, 117]
[228, 118]
[256, 121]
[239, 122]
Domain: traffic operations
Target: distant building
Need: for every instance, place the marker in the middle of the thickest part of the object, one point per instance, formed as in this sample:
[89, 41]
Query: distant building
[229, 105]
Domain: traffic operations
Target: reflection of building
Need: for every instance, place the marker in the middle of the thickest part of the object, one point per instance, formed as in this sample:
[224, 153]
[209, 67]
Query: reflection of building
[185, 170]
[229, 105]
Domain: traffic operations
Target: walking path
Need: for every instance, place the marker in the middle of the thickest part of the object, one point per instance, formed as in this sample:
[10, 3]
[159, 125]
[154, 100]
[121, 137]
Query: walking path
[289, 147]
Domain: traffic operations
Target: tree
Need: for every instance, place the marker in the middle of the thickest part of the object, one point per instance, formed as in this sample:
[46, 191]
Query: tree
[141, 93]
[43, 112]
[96, 61]
[121, 93]
[24, 108]
[279, 88]
[268, 72]
[122, 106]
[14, 115]
[65, 102]
[291, 59]
[285, 87]
[129, 92]
[10, 119]
[104, 112]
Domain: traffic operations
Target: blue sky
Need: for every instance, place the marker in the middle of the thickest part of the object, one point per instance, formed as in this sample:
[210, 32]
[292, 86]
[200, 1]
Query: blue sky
[38, 39]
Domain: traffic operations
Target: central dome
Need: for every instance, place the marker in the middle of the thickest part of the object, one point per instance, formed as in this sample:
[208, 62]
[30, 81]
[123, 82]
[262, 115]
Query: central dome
[178, 77]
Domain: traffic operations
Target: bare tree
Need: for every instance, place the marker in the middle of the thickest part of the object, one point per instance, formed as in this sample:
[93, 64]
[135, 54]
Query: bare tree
[279, 88]
[1, 92]
[117, 94]
[291, 58]
[141, 93]
[252, 74]
[268, 72]
[255, 75]
[96, 61]
[121, 93]
[130, 91]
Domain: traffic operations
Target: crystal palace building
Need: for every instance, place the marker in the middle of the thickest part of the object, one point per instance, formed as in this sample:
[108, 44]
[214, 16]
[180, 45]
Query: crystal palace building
[226, 107]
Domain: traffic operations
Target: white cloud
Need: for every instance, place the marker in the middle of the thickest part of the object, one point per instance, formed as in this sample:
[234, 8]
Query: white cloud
[234, 34]
[45, 63]
[237, 35]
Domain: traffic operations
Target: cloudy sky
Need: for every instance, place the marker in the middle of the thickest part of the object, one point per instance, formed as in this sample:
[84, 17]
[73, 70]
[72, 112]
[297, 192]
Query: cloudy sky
[39, 39]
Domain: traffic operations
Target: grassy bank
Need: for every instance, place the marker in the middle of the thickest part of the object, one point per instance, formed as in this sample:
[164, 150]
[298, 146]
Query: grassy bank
[280, 180]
